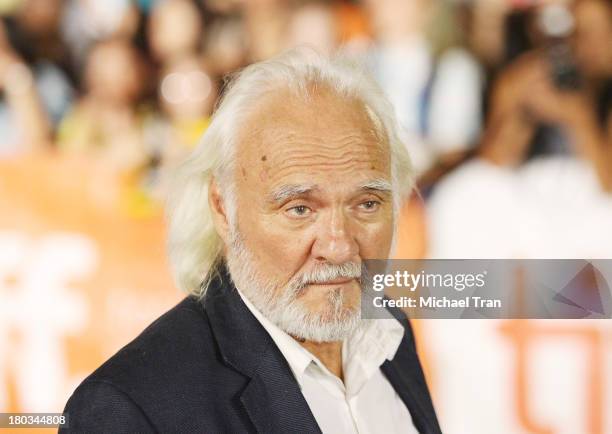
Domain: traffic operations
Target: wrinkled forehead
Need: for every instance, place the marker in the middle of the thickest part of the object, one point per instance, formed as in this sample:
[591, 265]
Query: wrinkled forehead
[292, 136]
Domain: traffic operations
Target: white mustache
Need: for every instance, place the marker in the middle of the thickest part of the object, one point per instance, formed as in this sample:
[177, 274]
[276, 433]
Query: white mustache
[325, 272]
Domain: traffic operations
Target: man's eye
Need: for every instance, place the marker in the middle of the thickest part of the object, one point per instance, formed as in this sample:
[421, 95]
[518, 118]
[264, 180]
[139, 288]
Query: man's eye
[370, 205]
[299, 211]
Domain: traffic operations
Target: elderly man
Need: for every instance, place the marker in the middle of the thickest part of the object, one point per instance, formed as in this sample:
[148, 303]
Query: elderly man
[298, 179]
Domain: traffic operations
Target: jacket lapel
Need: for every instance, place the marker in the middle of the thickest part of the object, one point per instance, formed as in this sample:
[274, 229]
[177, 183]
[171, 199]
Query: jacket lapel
[274, 401]
[272, 398]
[406, 376]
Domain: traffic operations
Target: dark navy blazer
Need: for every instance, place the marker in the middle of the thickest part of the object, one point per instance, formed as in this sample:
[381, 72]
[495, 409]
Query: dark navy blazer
[210, 367]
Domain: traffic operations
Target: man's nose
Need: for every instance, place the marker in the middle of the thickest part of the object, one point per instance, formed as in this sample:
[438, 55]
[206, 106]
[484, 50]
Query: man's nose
[335, 242]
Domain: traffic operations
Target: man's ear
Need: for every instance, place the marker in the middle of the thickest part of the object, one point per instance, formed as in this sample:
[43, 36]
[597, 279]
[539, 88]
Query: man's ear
[218, 210]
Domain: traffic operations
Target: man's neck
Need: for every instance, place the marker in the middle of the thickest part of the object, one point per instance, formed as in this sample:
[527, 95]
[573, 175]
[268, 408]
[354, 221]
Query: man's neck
[329, 353]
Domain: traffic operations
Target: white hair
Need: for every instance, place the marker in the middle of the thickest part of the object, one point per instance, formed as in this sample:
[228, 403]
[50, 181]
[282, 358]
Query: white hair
[195, 248]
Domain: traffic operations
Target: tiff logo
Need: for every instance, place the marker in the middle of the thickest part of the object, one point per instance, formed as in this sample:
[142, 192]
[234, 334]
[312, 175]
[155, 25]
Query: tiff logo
[40, 305]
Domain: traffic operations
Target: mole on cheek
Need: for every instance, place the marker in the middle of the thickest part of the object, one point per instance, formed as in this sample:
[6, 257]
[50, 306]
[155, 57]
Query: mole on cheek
[264, 158]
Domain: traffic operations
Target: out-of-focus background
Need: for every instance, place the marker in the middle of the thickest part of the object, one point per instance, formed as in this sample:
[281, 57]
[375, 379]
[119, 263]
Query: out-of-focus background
[505, 107]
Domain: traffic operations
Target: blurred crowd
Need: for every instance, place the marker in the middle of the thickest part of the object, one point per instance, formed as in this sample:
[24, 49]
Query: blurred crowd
[133, 83]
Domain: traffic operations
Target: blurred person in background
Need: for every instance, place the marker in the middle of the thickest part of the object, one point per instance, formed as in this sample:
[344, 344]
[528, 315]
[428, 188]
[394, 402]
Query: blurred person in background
[541, 184]
[435, 90]
[106, 123]
[313, 15]
[225, 42]
[222, 7]
[557, 98]
[24, 124]
[34, 30]
[85, 22]
[486, 36]
[453, 113]
[225, 47]
[186, 95]
[174, 30]
[266, 24]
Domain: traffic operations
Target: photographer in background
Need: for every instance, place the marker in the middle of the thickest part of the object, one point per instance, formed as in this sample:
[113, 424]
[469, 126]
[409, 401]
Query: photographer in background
[556, 98]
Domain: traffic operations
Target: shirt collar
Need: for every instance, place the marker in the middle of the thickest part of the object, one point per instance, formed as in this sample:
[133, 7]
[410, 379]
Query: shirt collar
[375, 341]
[363, 352]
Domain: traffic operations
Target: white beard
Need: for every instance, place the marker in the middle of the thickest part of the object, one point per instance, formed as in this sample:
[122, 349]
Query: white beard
[332, 322]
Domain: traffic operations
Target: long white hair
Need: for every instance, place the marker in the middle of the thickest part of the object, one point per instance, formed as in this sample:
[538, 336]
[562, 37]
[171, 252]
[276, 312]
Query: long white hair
[195, 249]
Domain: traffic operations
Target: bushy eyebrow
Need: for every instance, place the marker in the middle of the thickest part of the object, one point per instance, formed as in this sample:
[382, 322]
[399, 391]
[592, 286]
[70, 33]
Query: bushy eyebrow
[380, 185]
[290, 191]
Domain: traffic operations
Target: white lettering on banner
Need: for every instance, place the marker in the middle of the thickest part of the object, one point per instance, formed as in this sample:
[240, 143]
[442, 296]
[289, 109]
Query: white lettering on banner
[40, 304]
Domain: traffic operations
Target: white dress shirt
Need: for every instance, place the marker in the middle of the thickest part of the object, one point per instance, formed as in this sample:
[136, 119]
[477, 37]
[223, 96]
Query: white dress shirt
[366, 402]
